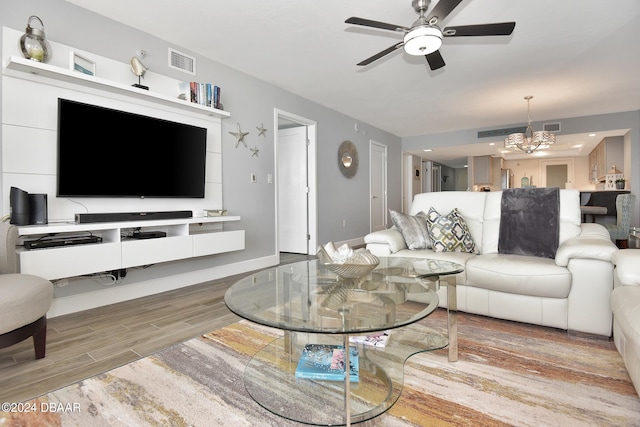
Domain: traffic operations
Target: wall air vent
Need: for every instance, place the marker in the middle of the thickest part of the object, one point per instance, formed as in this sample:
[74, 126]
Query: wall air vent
[182, 62]
[551, 127]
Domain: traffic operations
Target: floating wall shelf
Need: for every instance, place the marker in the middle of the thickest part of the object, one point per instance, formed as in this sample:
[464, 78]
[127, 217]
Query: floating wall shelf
[50, 71]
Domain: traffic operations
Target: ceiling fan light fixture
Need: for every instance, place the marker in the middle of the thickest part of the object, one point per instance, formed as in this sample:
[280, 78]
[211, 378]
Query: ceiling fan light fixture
[423, 40]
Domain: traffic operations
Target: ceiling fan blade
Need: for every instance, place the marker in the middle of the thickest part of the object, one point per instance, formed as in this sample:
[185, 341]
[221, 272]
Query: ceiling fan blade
[498, 29]
[435, 60]
[375, 24]
[381, 54]
[443, 9]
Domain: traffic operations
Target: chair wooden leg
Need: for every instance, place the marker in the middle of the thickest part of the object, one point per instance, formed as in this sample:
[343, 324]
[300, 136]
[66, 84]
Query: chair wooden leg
[622, 244]
[36, 329]
[40, 341]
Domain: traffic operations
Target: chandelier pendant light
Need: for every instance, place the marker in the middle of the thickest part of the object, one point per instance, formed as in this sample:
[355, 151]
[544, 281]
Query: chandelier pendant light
[530, 141]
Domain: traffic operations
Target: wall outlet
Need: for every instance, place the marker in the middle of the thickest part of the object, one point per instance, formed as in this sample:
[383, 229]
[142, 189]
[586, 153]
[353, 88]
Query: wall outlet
[254, 178]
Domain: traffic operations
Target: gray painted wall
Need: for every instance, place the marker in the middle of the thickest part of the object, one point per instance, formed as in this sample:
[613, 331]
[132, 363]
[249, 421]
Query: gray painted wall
[251, 103]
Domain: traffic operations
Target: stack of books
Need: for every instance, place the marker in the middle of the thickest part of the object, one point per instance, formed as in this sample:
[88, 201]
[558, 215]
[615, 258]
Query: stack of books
[327, 362]
[201, 93]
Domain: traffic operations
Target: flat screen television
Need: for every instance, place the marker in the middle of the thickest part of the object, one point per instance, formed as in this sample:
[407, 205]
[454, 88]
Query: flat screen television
[104, 152]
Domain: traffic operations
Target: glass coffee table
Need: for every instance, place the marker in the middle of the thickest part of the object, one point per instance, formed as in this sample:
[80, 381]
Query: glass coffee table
[313, 305]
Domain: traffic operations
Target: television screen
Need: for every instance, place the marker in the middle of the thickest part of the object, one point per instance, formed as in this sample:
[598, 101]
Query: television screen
[109, 153]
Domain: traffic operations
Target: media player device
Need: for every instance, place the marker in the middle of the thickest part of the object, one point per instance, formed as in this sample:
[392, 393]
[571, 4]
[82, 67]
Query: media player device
[148, 234]
[82, 218]
[53, 242]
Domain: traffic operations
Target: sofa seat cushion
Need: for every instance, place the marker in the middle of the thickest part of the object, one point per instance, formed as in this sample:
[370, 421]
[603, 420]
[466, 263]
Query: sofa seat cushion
[517, 274]
[625, 304]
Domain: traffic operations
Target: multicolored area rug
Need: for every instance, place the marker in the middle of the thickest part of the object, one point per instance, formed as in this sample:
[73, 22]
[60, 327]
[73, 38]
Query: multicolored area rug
[508, 374]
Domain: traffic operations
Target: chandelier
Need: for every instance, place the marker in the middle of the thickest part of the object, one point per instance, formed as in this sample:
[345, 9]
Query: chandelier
[530, 141]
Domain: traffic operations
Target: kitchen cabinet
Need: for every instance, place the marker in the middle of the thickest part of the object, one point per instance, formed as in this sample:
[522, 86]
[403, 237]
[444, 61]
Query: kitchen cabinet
[609, 152]
[482, 170]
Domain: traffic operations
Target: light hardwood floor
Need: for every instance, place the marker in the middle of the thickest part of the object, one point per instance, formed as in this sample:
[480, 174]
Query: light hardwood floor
[84, 344]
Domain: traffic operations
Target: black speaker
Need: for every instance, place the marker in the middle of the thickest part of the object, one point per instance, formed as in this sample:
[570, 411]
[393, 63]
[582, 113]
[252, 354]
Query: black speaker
[38, 209]
[18, 206]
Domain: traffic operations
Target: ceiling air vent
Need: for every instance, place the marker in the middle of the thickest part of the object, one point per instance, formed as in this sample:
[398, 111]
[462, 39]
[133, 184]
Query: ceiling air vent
[180, 61]
[551, 127]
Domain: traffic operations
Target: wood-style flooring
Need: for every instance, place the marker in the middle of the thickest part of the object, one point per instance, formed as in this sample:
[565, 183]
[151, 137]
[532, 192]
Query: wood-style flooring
[84, 344]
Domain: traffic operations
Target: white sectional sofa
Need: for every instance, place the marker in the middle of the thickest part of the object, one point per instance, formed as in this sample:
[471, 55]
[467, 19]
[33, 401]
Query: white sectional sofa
[625, 303]
[570, 292]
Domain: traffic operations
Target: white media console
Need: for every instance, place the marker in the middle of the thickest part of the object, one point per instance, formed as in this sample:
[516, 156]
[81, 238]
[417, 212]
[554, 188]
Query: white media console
[185, 238]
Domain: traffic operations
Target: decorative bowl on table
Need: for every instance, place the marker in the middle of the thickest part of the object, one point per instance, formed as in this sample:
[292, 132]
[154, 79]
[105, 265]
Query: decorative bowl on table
[345, 262]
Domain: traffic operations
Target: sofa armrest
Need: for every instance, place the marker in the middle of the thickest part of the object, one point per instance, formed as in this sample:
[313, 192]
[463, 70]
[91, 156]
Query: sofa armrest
[627, 271]
[390, 240]
[593, 242]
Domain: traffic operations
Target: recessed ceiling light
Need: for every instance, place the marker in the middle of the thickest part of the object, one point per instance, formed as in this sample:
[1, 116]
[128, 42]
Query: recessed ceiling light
[492, 143]
[592, 134]
[577, 145]
[427, 149]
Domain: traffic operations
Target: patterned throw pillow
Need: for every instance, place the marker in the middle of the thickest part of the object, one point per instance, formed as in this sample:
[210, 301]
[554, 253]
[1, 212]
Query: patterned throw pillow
[413, 229]
[450, 233]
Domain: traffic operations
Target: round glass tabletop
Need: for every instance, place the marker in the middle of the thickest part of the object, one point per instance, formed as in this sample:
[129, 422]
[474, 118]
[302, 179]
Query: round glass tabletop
[307, 297]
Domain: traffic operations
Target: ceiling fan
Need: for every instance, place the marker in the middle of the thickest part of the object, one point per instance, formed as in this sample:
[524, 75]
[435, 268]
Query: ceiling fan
[424, 37]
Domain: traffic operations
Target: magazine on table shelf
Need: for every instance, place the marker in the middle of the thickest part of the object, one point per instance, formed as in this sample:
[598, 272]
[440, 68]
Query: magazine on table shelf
[375, 339]
[326, 362]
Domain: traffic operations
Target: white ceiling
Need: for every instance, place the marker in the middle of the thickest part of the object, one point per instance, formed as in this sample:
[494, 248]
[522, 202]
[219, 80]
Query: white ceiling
[576, 57]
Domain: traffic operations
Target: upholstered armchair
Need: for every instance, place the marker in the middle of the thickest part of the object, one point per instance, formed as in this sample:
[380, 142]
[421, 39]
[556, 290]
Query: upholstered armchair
[625, 204]
[24, 298]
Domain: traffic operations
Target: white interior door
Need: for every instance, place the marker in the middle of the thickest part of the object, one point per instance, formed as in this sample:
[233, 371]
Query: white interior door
[293, 187]
[378, 186]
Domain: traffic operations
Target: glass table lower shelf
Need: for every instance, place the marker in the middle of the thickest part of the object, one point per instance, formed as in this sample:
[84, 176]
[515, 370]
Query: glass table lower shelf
[270, 377]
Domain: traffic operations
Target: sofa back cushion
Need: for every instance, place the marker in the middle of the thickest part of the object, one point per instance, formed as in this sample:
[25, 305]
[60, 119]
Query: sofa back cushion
[469, 204]
[481, 211]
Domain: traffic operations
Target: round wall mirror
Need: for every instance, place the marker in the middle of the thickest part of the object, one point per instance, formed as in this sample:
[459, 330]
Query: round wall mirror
[348, 159]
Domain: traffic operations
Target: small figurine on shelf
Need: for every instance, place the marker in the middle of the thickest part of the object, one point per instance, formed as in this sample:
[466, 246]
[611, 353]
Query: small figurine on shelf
[138, 69]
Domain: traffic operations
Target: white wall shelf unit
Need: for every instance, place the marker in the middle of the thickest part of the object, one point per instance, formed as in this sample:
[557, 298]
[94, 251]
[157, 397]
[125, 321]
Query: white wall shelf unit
[185, 238]
[57, 73]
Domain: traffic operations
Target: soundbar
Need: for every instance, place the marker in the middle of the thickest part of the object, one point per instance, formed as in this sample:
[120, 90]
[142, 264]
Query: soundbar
[60, 241]
[83, 218]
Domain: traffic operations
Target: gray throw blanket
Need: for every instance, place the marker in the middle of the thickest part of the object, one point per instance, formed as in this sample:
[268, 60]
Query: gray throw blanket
[530, 222]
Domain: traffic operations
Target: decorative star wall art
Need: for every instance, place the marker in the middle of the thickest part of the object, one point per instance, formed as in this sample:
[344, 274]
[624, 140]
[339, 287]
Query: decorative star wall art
[240, 136]
[261, 130]
[254, 151]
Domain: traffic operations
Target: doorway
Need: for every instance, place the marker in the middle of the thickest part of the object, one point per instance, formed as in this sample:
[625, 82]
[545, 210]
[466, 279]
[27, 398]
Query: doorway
[377, 186]
[296, 195]
[556, 173]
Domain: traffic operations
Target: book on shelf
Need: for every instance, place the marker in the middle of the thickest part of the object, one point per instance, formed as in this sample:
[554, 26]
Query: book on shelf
[376, 339]
[205, 94]
[327, 362]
